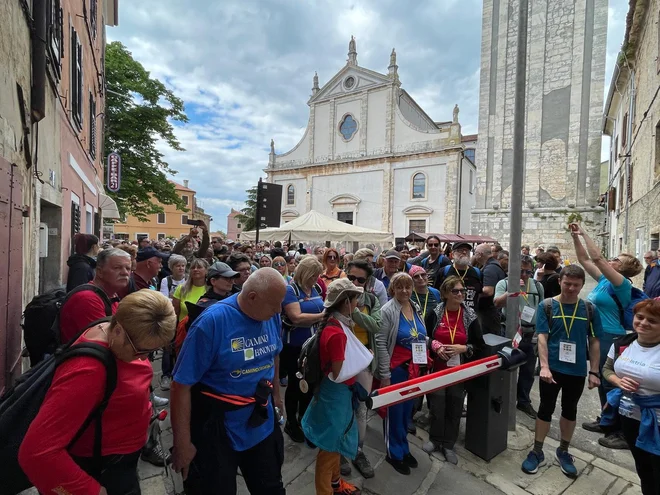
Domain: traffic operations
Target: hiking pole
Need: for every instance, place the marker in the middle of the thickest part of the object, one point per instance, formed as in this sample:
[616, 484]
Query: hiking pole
[506, 359]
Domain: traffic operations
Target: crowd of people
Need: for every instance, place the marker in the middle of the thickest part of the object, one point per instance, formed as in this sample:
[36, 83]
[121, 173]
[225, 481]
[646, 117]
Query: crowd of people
[231, 321]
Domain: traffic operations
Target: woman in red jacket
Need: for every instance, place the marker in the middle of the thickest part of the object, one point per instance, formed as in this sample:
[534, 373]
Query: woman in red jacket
[144, 321]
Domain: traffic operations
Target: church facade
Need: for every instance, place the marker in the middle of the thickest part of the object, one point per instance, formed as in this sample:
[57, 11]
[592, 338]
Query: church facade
[370, 156]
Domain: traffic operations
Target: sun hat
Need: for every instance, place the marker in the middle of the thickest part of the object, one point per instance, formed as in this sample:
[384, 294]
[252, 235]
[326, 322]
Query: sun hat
[339, 288]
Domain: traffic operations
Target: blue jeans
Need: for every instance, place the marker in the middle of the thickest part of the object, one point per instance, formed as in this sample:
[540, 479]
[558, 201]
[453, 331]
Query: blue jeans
[395, 425]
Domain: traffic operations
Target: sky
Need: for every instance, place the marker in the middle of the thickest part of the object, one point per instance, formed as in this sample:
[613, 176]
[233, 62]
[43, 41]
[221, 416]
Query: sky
[244, 69]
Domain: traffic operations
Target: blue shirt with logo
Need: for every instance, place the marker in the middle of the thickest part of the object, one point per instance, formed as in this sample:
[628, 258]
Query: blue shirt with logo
[230, 352]
[410, 331]
[579, 334]
[606, 305]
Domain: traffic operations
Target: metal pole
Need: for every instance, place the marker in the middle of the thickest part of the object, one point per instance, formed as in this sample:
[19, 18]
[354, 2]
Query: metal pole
[512, 308]
[257, 214]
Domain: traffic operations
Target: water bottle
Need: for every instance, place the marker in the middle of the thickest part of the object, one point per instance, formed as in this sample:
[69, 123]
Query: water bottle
[278, 415]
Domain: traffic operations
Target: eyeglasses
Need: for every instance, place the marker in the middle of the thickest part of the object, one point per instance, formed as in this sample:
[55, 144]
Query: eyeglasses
[458, 291]
[435, 244]
[332, 257]
[353, 278]
[279, 263]
[526, 272]
[136, 351]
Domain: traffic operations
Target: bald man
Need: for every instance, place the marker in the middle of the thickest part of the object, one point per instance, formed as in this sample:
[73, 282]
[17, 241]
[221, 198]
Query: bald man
[224, 391]
[492, 271]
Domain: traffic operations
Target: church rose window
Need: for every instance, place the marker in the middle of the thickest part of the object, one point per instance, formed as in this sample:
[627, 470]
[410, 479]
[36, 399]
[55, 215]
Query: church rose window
[348, 127]
[419, 186]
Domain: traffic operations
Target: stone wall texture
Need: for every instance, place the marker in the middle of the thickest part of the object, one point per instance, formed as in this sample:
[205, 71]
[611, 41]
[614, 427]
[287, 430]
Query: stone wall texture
[564, 100]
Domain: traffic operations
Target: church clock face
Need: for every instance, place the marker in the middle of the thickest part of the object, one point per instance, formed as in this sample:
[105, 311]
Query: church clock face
[348, 127]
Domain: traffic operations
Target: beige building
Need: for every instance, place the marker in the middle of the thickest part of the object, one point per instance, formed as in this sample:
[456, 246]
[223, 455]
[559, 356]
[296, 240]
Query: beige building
[234, 226]
[632, 120]
[171, 224]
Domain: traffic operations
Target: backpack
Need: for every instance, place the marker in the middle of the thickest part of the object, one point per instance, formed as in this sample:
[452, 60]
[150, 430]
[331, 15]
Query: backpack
[425, 261]
[536, 296]
[445, 271]
[309, 361]
[20, 405]
[41, 320]
[626, 314]
[286, 323]
[547, 308]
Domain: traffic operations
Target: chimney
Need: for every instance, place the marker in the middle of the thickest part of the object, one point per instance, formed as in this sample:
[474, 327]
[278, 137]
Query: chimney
[185, 182]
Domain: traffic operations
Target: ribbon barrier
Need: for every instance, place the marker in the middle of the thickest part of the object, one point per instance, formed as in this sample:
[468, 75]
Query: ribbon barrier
[506, 359]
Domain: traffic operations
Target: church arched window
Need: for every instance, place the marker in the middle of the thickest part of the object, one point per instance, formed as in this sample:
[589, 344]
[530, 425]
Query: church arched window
[290, 195]
[419, 186]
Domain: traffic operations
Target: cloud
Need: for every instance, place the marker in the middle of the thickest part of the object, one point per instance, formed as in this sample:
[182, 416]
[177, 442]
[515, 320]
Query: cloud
[244, 69]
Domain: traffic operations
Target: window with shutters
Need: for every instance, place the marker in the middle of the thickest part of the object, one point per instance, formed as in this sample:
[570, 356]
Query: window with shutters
[616, 149]
[161, 218]
[624, 132]
[416, 226]
[75, 220]
[630, 184]
[184, 219]
[76, 64]
[622, 190]
[54, 35]
[92, 126]
[92, 17]
[657, 152]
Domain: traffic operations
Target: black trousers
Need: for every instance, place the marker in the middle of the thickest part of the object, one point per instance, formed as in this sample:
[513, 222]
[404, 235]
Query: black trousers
[215, 467]
[295, 402]
[446, 407]
[526, 371]
[647, 464]
[119, 474]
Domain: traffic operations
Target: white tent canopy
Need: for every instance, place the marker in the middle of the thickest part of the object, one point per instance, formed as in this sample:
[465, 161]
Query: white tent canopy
[314, 226]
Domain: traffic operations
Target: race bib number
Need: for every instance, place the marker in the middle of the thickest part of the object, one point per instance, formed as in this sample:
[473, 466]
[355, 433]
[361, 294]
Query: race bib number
[528, 314]
[567, 352]
[419, 353]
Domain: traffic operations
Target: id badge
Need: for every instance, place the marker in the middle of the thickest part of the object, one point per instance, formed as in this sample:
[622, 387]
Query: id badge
[567, 352]
[419, 353]
[454, 361]
[528, 314]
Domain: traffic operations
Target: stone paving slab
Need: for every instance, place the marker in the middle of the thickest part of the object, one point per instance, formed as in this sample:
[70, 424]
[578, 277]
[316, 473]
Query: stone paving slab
[452, 480]
[593, 480]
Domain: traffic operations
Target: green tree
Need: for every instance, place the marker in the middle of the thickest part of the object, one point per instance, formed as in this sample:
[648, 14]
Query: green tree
[249, 211]
[138, 113]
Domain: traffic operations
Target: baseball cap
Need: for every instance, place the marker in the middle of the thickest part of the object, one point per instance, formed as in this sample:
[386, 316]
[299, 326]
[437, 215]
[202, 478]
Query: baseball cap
[458, 245]
[393, 253]
[220, 269]
[150, 252]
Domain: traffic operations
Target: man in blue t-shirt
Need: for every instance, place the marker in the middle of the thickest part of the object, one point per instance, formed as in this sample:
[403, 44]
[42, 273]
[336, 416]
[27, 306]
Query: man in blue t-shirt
[222, 415]
[562, 346]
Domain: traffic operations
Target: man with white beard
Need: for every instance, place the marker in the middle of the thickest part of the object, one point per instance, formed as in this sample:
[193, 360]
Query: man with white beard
[469, 275]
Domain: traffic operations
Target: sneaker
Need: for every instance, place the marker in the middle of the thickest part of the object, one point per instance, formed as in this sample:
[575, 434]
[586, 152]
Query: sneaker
[346, 488]
[566, 463]
[533, 462]
[344, 467]
[363, 465]
[614, 441]
[412, 429]
[155, 455]
[294, 431]
[159, 401]
[450, 456]
[399, 466]
[593, 426]
[410, 461]
[429, 447]
[527, 409]
[165, 382]
[284, 381]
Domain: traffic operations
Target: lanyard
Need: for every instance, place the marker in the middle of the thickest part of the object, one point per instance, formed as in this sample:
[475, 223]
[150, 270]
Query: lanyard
[452, 334]
[426, 300]
[563, 317]
[524, 294]
[413, 324]
[462, 277]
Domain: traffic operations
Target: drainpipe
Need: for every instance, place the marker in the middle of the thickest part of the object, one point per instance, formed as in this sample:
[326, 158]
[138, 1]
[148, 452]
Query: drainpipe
[631, 117]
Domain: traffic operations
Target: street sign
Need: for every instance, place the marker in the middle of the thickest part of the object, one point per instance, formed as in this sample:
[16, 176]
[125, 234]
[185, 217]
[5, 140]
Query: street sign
[113, 180]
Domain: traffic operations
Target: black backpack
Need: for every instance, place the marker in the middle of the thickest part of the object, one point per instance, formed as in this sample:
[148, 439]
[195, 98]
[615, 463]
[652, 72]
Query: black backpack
[20, 405]
[309, 362]
[41, 322]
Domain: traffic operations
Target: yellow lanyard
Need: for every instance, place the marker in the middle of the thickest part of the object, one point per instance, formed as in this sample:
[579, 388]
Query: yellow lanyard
[426, 300]
[563, 318]
[524, 294]
[452, 334]
[413, 324]
[462, 277]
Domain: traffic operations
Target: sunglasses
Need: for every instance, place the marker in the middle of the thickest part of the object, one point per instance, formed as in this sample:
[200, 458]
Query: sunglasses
[527, 272]
[332, 257]
[279, 263]
[615, 259]
[458, 291]
[420, 276]
[136, 351]
[353, 278]
[433, 245]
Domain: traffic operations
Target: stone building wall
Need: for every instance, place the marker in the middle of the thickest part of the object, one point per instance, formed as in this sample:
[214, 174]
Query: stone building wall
[565, 77]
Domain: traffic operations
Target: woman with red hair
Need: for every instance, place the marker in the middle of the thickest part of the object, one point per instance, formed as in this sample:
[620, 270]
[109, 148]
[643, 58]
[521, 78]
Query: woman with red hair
[83, 262]
[332, 271]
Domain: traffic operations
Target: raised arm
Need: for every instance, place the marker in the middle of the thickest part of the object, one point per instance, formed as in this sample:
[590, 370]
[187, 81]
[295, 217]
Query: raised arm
[582, 255]
[201, 253]
[600, 264]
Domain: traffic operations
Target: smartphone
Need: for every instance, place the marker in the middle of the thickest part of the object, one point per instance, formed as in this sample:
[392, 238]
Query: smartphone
[196, 223]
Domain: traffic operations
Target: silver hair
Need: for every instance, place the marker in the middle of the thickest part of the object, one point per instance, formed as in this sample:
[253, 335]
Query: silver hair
[176, 259]
[104, 256]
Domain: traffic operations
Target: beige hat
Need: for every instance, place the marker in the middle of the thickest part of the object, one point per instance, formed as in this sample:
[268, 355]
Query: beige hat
[339, 288]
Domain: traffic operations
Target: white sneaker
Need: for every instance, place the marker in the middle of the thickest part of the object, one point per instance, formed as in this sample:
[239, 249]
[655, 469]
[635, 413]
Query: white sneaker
[165, 382]
[159, 401]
